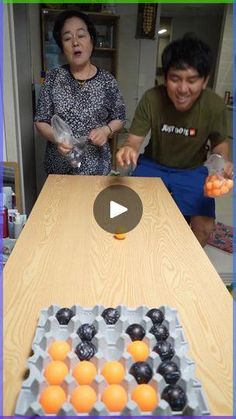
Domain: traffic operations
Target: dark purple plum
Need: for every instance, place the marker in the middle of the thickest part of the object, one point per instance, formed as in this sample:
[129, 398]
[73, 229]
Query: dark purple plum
[110, 315]
[156, 315]
[64, 315]
[164, 349]
[85, 351]
[175, 396]
[170, 371]
[86, 332]
[142, 372]
[135, 331]
[159, 331]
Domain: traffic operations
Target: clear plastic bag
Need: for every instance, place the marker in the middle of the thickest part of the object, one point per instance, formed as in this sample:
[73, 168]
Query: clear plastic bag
[216, 184]
[63, 134]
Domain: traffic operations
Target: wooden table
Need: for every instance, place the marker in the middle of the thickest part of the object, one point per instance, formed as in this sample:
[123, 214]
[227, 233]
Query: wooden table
[63, 257]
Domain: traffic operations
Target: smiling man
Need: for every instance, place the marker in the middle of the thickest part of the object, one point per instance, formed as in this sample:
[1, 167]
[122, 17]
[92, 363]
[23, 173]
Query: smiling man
[185, 119]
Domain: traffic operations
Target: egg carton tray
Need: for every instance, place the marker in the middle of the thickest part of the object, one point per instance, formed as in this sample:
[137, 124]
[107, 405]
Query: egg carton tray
[111, 342]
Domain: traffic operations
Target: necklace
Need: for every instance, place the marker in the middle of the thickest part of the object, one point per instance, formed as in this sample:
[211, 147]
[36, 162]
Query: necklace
[82, 82]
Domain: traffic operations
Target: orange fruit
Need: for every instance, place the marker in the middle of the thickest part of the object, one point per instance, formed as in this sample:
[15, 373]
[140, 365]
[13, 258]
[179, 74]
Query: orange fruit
[58, 350]
[145, 396]
[84, 372]
[113, 372]
[55, 372]
[208, 185]
[139, 350]
[230, 183]
[215, 192]
[83, 398]
[213, 177]
[52, 398]
[224, 189]
[216, 184]
[115, 398]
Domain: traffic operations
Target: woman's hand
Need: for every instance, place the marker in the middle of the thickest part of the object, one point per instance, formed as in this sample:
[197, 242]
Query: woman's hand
[64, 149]
[99, 136]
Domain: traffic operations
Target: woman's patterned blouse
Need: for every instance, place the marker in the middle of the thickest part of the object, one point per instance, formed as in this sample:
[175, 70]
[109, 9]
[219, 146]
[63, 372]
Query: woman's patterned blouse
[83, 107]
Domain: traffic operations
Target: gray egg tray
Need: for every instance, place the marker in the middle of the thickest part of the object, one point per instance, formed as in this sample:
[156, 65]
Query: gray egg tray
[111, 342]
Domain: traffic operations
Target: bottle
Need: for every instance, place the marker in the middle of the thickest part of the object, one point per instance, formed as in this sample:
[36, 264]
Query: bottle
[11, 226]
[18, 225]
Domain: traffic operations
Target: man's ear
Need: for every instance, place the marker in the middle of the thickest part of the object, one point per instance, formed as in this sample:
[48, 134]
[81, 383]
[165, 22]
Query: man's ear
[205, 82]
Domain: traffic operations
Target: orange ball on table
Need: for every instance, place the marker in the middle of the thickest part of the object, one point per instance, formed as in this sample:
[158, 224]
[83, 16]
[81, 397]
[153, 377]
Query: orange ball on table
[120, 236]
[84, 372]
[145, 396]
[59, 349]
[139, 350]
[83, 398]
[113, 372]
[52, 398]
[115, 398]
[55, 372]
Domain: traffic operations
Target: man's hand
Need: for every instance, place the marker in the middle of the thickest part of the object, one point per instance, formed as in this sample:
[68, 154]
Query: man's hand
[223, 150]
[229, 169]
[126, 156]
[64, 149]
[99, 136]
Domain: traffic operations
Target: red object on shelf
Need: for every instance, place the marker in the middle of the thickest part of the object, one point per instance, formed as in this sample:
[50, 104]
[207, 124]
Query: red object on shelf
[5, 232]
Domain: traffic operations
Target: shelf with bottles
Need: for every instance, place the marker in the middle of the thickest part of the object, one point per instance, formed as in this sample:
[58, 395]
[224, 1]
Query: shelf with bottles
[105, 53]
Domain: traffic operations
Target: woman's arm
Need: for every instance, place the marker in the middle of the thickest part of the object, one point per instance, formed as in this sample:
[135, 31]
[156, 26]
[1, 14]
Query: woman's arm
[47, 132]
[99, 136]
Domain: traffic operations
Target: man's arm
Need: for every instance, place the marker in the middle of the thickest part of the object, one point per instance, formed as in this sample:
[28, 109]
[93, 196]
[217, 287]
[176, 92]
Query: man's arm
[223, 150]
[129, 152]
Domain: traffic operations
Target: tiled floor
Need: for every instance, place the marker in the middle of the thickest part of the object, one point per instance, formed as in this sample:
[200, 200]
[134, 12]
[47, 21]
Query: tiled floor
[222, 261]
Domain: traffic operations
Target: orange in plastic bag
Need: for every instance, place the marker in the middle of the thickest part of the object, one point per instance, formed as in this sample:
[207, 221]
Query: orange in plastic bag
[216, 184]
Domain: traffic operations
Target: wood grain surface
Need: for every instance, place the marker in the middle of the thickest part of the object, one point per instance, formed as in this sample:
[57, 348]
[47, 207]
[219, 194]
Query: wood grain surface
[63, 257]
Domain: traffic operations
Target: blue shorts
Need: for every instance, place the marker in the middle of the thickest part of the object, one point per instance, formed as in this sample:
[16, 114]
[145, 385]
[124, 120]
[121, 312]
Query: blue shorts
[185, 186]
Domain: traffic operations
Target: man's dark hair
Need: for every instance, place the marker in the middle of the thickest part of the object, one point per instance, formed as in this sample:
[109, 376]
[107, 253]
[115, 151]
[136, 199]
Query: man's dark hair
[189, 51]
[68, 14]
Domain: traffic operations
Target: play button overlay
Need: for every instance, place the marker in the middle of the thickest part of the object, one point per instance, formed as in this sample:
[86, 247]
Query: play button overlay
[117, 209]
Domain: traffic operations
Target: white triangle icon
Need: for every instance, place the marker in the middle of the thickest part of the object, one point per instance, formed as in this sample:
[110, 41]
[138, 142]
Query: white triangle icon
[116, 209]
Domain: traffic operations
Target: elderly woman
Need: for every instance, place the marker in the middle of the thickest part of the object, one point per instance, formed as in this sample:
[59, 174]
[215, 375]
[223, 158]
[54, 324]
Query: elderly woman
[85, 97]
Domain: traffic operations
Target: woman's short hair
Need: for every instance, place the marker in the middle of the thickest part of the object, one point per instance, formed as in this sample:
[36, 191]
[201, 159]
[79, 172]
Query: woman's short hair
[68, 14]
[189, 51]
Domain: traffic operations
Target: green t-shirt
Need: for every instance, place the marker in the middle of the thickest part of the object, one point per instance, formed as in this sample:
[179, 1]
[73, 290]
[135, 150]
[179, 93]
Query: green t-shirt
[179, 139]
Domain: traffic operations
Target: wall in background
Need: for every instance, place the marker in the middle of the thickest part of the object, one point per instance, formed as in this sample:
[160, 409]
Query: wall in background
[206, 26]
[224, 79]
[12, 150]
[24, 75]
[136, 60]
